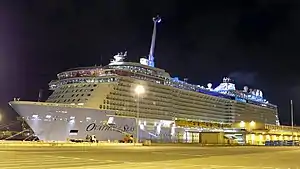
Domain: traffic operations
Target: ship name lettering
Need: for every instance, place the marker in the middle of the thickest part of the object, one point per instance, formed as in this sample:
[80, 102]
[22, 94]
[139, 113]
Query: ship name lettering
[95, 127]
[91, 127]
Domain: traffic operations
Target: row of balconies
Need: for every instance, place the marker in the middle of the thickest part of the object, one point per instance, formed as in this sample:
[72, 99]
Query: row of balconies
[180, 100]
[168, 104]
[166, 93]
[184, 110]
[204, 111]
[150, 104]
[144, 115]
[177, 112]
[214, 106]
[200, 106]
[158, 93]
[133, 107]
[170, 115]
[251, 106]
[122, 98]
[189, 95]
[169, 108]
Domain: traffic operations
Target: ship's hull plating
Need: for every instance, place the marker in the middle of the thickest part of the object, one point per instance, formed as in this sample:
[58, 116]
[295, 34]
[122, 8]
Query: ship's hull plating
[58, 122]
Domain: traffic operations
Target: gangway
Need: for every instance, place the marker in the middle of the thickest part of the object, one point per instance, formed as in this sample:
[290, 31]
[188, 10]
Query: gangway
[29, 137]
[110, 125]
[118, 130]
[10, 124]
[16, 134]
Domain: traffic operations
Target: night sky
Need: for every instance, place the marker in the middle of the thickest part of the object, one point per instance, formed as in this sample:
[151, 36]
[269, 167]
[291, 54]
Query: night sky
[255, 42]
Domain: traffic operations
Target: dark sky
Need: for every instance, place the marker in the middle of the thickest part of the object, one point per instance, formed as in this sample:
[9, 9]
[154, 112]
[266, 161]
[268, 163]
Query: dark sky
[254, 42]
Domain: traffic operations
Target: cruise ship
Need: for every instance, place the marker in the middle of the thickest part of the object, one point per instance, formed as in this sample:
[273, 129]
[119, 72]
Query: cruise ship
[139, 99]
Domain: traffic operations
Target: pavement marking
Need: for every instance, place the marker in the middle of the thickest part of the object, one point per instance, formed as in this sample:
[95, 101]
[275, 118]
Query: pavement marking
[168, 166]
[196, 166]
[62, 162]
[182, 164]
[76, 158]
[179, 154]
[60, 165]
[180, 160]
[48, 152]
[37, 161]
[118, 166]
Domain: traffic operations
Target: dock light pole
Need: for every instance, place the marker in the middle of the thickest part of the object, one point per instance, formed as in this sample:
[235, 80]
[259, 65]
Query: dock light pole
[292, 121]
[139, 90]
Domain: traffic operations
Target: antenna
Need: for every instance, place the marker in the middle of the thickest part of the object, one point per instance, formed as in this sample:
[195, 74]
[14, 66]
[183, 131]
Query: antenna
[246, 89]
[40, 95]
[156, 20]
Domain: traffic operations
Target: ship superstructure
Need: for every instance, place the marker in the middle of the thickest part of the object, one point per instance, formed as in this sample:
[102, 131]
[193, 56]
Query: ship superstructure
[85, 98]
[111, 88]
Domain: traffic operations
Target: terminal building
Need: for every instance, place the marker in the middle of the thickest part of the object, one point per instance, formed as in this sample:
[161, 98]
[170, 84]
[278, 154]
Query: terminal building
[244, 132]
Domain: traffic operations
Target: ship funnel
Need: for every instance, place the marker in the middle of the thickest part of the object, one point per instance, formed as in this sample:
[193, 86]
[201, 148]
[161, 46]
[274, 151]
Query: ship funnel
[156, 20]
[209, 85]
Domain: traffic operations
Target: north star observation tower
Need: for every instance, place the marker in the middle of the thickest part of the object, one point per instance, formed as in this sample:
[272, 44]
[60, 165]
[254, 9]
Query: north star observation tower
[156, 20]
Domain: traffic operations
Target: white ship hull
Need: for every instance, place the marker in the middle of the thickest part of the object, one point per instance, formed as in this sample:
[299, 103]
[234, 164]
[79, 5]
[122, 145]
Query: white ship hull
[60, 122]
